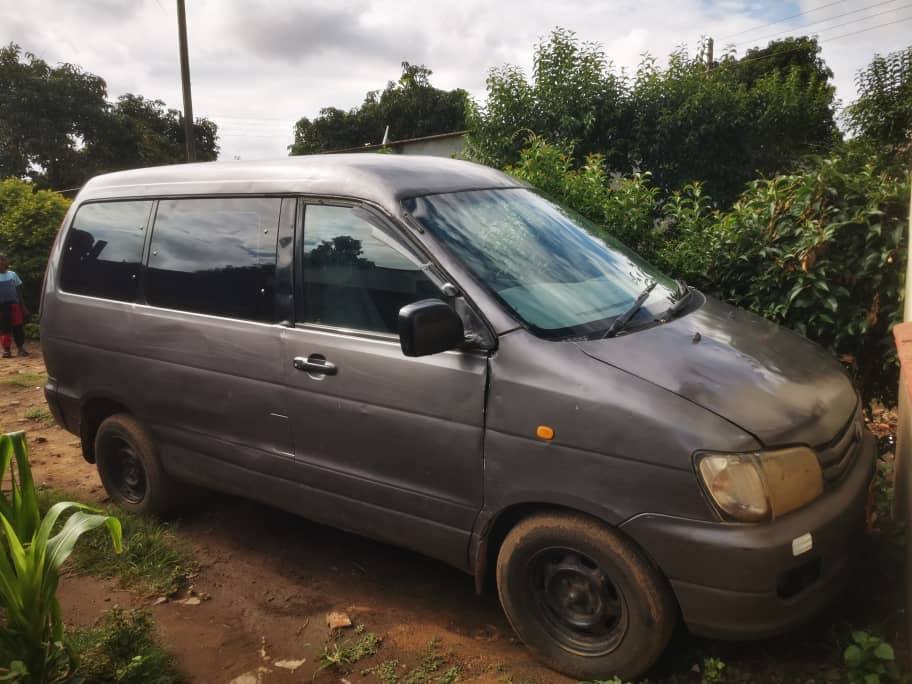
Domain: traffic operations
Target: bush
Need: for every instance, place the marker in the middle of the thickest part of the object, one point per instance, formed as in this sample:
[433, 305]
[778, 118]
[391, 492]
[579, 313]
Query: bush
[821, 250]
[870, 659]
[29, 220]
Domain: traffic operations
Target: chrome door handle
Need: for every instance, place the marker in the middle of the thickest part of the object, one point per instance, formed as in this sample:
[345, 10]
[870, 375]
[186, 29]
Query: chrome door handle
[315, 363]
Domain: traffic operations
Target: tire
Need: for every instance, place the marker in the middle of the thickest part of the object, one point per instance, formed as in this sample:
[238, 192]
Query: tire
[584, 599]
[129, 467]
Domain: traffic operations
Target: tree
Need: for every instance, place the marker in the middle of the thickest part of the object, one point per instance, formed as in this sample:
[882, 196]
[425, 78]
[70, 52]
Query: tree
[882, 114]
[143, 132]
[683, 122]
[759, 114]
[574, 97]
[58, 128]
[411, 107]
[48, 116]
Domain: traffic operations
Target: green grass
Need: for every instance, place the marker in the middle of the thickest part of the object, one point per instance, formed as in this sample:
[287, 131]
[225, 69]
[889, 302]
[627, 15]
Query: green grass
[122, 648]
[40, 415]
[349, 651]
[154, 560]
[25, 380]
[427, 671]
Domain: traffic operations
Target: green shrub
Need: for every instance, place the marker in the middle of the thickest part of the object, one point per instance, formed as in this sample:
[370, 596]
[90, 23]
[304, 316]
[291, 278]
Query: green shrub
[29, 220]
[821, 250]
[870, 660]
[33, 549]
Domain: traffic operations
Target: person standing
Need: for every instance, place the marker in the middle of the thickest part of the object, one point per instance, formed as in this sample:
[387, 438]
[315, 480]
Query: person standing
[13, 311]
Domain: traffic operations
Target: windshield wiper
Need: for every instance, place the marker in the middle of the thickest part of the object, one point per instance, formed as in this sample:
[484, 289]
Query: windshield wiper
[618, 324]
[684, 292]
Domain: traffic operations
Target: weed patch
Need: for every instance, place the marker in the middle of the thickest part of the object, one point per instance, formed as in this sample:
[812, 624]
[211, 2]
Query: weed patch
[122, 648]
[349, 651]
[40, 415]
[429, 669]
[154, 560]
[25, 380]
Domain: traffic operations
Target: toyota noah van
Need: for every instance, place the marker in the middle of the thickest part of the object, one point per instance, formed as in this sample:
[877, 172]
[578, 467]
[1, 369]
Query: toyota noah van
[428, 352]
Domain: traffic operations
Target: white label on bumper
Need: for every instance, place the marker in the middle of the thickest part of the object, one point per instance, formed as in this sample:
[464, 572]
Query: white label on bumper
[802, 544]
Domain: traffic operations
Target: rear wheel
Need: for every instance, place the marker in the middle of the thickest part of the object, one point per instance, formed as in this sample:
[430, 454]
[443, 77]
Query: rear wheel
[583, 598]
[130, 471]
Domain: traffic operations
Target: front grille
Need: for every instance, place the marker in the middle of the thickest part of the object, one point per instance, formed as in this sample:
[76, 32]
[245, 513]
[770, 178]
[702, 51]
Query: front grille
[836, 457]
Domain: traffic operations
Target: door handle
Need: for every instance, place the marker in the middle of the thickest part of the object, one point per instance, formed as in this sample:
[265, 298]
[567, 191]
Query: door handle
[315, 363]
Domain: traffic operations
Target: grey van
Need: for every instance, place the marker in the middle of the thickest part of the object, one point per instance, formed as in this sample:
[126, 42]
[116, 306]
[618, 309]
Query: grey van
[427, 352]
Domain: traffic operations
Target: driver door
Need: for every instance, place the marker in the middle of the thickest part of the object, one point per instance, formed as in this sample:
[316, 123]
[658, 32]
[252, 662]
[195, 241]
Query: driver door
[392, 444]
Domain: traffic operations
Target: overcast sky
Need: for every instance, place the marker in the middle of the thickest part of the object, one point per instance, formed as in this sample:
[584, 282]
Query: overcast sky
[257, 67]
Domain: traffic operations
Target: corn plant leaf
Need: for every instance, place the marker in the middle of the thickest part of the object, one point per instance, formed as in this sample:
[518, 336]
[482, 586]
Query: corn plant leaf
[60, 546]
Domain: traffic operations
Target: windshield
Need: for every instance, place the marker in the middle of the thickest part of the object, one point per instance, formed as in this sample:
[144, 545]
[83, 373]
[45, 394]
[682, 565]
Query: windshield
[549, 266]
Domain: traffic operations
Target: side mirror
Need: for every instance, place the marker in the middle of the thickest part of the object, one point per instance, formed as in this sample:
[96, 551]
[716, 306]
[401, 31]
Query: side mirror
[429, 327]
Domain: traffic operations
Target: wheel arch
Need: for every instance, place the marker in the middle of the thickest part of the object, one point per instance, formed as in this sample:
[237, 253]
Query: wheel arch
[494, 530]
[93, 411]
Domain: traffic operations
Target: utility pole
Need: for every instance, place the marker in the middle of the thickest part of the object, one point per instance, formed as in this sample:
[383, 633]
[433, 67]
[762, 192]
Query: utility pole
[709, 53]
[185, 79]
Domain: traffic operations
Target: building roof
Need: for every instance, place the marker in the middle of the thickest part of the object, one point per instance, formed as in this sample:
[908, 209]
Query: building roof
[381, 178]
[403, 141]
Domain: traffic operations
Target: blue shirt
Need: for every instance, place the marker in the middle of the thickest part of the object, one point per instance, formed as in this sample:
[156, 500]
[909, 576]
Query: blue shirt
[9, 281]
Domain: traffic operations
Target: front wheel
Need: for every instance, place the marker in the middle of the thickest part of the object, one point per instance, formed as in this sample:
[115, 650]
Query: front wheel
[583, 599]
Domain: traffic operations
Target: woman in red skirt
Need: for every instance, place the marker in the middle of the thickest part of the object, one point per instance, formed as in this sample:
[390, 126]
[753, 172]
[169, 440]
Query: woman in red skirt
[12, 310]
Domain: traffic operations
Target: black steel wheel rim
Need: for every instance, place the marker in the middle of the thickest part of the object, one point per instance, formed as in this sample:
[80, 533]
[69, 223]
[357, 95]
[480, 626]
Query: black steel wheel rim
[126, 471]
[577, 603]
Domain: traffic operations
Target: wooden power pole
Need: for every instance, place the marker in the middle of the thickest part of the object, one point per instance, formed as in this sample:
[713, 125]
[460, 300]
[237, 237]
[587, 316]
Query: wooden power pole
[185, 80]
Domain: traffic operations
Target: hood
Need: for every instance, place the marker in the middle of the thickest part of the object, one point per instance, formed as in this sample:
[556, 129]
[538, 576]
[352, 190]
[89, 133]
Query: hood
[767, 380]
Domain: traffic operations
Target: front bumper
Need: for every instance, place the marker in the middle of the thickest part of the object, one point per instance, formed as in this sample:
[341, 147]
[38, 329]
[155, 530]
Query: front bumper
[742, 581]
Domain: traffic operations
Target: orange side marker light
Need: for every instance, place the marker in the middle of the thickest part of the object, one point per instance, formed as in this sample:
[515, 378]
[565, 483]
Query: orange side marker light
[544, 432]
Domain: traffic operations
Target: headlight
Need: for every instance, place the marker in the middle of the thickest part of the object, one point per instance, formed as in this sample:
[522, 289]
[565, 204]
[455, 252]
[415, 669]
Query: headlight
[762, 485]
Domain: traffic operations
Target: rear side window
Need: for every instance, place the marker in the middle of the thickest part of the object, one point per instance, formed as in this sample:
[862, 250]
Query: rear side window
[103, 250]
[356, 274]
[215, 256]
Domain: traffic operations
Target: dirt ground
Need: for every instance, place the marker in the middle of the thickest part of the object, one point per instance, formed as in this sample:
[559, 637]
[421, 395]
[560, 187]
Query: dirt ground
[271, 578]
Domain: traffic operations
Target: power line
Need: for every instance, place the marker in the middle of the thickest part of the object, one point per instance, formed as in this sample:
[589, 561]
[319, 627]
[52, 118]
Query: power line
[801, 29]
[792, 16]
[844, 35]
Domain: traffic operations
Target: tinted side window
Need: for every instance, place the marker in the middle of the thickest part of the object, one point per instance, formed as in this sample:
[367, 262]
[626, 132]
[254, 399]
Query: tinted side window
[215, 256]
[103, 250]
[355, 275]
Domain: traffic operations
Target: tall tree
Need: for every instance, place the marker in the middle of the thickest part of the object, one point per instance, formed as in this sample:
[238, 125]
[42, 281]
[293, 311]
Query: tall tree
[574, 97]
[144, 132]
[411, 107]
[48, 115]
[882, 114]
[720, 124]
[58, 128]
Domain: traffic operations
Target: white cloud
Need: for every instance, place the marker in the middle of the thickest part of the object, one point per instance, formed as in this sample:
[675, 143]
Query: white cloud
[258, 66]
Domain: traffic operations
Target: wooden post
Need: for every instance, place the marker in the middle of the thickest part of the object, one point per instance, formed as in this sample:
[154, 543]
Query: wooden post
[185, 80]
[902, 463]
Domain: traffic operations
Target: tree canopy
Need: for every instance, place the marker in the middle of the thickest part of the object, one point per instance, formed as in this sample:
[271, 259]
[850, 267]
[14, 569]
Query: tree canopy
[411, 107]
[58, 128]
[721, 123]
[882, 113]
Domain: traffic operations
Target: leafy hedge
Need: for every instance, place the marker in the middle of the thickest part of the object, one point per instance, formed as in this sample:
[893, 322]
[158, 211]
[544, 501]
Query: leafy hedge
[29, 220]
[821, 250]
